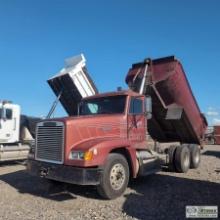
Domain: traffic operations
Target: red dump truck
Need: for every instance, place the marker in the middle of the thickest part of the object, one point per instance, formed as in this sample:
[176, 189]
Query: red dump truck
[107, 140]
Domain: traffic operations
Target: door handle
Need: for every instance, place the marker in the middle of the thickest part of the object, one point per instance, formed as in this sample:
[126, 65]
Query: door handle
[14, 123]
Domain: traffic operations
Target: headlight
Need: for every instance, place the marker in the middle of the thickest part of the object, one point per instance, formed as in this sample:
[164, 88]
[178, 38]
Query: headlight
[76, 155]
[81, 155]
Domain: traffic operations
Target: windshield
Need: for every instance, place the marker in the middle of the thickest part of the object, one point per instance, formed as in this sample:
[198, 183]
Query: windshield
[103, 105]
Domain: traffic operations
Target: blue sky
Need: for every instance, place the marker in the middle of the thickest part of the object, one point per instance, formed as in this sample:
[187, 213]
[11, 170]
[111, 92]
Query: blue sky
[36, 37]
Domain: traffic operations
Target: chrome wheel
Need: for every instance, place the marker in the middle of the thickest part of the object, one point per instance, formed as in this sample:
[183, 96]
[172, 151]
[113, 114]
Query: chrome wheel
[117, 176]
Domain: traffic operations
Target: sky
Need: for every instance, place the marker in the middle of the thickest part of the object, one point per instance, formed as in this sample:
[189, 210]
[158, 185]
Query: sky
[36, 36]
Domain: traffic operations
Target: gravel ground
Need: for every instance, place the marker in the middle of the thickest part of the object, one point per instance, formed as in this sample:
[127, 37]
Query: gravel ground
[160, 196]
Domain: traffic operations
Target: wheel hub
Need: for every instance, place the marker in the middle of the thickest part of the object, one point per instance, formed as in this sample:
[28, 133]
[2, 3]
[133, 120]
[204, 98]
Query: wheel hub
[117, 176]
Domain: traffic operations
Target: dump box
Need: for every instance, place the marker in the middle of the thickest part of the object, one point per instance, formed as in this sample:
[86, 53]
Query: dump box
[216, 132]
[73, 83]
[175, 113]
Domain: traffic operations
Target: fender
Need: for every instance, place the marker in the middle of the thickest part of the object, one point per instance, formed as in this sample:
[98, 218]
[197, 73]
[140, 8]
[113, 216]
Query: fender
[102, 149]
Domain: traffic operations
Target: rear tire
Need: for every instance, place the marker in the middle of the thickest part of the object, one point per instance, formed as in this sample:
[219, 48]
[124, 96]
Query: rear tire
[171, 156]
[114, 179]
[182, 159]
[195, 156]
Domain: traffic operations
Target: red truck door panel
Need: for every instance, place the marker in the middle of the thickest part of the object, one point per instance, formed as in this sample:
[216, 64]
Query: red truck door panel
[136, 120]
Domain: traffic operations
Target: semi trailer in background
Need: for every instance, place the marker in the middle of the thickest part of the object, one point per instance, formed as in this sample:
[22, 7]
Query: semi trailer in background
[213, 135]
[17, 132]
[216, 134]
[105, 139]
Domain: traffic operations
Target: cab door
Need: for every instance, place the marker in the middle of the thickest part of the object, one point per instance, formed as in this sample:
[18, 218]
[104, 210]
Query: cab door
[136, 121]
[8, 126]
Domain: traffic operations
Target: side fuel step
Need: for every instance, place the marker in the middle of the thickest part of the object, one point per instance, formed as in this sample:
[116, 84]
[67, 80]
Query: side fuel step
[149, 162]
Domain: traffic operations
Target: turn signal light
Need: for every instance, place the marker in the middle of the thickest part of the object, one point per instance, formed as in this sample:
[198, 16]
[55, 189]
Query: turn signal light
[88, 155]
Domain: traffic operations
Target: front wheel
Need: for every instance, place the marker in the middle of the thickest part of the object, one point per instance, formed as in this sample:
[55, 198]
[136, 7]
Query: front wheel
[115, 176]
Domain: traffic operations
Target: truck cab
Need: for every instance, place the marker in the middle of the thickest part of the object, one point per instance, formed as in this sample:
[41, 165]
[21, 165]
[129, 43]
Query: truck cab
[76, 149]
[104, 122]
[16, 137]
[9, 122]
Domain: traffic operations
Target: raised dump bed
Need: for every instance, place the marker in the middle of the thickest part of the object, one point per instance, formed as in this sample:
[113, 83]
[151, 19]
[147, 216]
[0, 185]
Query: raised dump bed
[72, 84]
[175, 113]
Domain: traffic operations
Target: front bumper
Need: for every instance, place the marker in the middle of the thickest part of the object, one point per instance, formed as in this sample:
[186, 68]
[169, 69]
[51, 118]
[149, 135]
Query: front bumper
[63, 173]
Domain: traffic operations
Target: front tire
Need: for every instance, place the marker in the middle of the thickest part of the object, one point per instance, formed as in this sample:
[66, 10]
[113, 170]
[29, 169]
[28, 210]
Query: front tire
[115, 176]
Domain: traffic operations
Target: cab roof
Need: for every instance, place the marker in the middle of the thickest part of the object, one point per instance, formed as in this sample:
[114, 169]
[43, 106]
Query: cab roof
[115, 93]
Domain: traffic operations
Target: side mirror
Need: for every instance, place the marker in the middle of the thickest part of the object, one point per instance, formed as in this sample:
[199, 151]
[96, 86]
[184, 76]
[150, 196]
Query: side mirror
[148, 107]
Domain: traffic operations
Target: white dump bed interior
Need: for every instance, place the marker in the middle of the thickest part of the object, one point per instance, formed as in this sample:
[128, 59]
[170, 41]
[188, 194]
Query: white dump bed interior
[73, 83]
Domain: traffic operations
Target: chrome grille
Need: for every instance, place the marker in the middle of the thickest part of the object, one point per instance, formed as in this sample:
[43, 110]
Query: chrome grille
[49, 142]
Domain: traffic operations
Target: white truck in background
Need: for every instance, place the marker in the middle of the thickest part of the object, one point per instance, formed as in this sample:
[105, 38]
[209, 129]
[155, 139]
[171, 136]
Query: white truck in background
[17, 132]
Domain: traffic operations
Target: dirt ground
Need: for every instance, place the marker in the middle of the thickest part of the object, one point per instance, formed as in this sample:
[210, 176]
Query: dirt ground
[160, 196]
